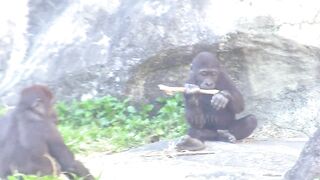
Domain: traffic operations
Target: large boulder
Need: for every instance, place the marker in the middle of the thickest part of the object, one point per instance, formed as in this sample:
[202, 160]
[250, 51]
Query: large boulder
[84, 49]
[278, 78]
[308, 165]
[266, 160]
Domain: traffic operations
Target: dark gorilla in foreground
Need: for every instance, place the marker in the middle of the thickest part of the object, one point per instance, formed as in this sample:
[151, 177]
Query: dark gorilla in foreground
[212, 117]
[30, 142]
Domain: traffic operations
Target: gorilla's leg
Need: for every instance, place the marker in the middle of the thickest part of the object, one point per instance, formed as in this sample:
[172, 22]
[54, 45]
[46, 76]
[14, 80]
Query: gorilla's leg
[212, 135]
[204, 134]
[243, 127]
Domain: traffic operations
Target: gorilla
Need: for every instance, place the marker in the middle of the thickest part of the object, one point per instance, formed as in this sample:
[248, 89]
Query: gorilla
[212, 117]
[30, 141]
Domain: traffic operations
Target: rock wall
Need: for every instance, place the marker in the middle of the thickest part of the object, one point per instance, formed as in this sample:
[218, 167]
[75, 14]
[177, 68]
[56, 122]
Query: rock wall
[83, 49]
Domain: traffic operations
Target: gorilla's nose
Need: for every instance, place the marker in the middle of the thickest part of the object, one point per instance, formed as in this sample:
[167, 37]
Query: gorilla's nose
[208, 85]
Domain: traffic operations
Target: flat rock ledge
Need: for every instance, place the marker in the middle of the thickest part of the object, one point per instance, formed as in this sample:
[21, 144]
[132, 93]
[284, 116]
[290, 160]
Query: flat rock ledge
[250, 159]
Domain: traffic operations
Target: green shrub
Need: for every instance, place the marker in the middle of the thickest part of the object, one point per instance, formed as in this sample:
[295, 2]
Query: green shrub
[31, 177]
[3, 110]
[107, 123]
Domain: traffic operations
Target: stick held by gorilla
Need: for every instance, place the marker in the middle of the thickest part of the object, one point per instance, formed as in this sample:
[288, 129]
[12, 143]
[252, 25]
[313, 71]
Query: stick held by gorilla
[212, 117]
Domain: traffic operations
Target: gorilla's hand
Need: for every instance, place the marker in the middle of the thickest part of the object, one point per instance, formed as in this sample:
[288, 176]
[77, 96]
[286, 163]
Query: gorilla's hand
[220, 100]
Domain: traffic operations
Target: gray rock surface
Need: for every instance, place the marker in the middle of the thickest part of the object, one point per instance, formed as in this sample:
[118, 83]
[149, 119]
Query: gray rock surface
[84, 49]
[308, 165]
[251, 160]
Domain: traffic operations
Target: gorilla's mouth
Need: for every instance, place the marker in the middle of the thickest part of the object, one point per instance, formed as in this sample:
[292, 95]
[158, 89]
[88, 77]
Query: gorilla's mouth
[208, 87]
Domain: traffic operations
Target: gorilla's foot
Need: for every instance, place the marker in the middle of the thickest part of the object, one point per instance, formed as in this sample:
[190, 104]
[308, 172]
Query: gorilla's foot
[190, 144]
[226, 136]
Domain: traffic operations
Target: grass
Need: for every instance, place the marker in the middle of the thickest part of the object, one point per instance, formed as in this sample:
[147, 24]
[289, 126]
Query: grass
[109, 124]
[34, 177]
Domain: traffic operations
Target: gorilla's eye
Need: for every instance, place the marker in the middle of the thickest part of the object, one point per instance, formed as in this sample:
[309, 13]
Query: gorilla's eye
[214, 73]
[204, 73]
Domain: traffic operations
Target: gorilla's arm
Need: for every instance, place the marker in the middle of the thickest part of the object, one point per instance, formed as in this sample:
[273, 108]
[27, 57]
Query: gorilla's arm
[229, 90]
[236, 103]
[194, 115]
[65, 157]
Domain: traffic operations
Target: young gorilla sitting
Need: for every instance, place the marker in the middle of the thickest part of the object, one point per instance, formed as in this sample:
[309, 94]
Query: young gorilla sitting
[30, 141]
[212, 117]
